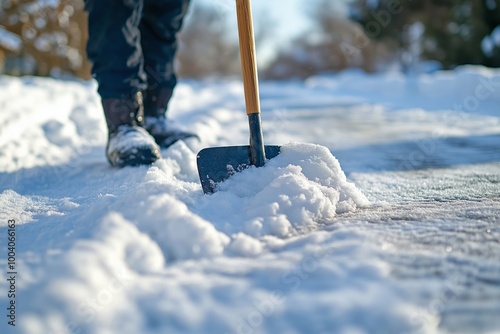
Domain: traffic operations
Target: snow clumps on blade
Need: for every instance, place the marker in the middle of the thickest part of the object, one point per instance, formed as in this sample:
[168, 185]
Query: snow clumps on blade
[300, 188]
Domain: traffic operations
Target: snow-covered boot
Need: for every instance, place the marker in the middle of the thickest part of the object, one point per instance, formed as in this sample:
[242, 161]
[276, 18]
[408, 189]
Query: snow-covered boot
[129, 144]
[164, 131]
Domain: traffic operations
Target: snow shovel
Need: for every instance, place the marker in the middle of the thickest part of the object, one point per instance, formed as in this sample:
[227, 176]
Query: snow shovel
[217, 164]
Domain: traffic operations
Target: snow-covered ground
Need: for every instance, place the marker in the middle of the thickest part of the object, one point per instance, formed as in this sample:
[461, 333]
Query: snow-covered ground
[409, 243]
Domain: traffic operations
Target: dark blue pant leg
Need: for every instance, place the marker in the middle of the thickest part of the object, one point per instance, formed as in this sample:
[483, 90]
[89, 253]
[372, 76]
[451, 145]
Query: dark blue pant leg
[114, 46]
[162, 20]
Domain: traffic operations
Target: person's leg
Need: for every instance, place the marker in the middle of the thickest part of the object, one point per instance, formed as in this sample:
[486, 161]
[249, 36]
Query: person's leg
[114, 47]
[160, 24]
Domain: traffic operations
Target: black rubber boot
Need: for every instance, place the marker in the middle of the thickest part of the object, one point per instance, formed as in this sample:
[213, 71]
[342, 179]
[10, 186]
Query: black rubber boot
[129, 144]
[164, 131]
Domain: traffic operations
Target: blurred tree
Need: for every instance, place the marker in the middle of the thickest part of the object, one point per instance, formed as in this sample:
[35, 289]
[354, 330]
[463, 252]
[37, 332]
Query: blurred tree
[334, 43]
[454, 30]
[53, 35]
[454, 34]
[205, 47]
[208, 42]
[390, 23]
[48, 37]
[491, 43]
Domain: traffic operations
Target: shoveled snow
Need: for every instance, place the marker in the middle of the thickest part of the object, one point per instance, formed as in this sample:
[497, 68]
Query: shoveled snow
[406, 243]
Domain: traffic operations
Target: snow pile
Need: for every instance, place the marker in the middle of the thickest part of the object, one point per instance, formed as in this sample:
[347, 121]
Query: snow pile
[302, 187]
[117, 281]
[298, 191]
[466, 82]
[47, 127]
[90, 280]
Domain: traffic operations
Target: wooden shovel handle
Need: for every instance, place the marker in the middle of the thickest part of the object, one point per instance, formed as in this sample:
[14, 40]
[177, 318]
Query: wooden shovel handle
[248, 56]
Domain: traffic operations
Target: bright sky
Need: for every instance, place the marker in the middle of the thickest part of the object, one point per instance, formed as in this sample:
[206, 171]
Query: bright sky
[290, 15]
[289, 18]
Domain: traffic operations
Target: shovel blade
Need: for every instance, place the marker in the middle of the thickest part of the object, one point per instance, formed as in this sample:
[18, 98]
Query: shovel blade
[217, 164]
